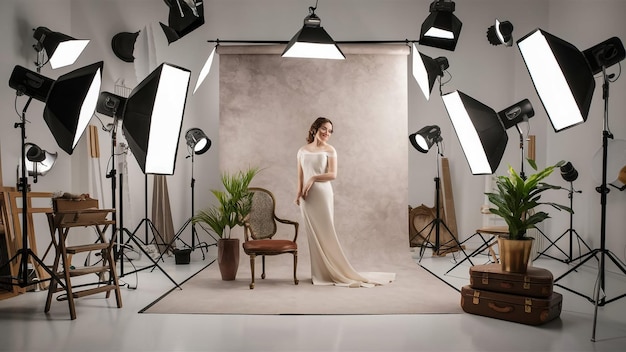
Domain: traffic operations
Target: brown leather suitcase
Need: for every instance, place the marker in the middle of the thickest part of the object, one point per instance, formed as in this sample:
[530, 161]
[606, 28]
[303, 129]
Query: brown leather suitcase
[504, 306]
[536, 282]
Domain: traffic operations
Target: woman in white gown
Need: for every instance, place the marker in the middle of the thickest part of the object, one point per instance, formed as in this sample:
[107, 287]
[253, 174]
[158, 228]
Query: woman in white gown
[317, 166]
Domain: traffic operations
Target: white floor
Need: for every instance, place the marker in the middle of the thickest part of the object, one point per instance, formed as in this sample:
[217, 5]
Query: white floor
[100, 326]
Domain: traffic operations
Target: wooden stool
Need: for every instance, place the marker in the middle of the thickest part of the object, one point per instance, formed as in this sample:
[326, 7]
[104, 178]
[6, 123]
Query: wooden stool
[60, 223]
[494, 232]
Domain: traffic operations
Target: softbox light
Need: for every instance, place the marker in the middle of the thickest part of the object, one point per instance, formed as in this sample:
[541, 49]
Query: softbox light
[312, 41]
[481, 134]
[563, 76]
[153, 117]
[62, 50]
[442, 28]
[70, 100]
[426, 70]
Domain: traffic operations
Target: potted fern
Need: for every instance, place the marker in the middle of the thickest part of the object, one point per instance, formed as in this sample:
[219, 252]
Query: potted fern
[233, 205]
[515, 201]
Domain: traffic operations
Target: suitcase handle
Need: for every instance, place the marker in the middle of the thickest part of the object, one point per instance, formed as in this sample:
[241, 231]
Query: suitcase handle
[506, 309]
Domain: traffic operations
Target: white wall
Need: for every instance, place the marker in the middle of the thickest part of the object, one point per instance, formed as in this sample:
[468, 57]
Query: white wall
[494, 75]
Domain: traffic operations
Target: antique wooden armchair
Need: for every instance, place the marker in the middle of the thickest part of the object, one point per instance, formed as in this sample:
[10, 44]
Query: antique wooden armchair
[259, 229]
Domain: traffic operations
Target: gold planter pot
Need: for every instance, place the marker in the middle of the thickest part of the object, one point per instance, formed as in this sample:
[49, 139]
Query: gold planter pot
[515, 254]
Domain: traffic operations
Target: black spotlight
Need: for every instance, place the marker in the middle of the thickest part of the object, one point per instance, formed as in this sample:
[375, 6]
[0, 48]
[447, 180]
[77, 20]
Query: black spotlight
[568, 172]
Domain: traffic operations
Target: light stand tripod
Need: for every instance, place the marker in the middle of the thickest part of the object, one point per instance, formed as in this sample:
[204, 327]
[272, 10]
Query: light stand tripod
[602, 252]
[571, 231]
[25, 253]
[194, 234]
[437, 222]
[121, 229]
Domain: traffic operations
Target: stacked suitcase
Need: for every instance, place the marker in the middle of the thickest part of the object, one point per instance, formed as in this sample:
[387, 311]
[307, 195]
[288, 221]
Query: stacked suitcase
[526, 298]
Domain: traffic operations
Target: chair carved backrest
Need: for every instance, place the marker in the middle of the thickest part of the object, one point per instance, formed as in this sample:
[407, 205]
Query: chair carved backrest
[262, 219]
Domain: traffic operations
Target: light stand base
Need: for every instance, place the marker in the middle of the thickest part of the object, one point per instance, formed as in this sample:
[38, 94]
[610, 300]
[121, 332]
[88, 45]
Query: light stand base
[601, 284]
[204, 246]
[132, 237]
[23, 279]
[568, 257]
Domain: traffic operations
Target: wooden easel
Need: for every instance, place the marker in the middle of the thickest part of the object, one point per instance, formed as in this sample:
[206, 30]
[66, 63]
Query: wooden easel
[7, 246]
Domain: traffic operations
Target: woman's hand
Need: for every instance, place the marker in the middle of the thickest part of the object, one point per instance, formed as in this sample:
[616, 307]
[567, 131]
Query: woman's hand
[307, 187]
[298, 196]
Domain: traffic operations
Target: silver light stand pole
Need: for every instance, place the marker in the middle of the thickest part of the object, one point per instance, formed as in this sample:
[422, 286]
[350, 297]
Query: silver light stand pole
[604, 190]
[602, 252]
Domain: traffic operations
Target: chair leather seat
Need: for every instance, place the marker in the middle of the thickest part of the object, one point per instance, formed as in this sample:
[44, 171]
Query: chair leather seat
[270, 246]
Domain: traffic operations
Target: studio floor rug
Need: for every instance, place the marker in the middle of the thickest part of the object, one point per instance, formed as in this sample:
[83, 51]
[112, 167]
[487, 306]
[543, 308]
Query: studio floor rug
[415, 291]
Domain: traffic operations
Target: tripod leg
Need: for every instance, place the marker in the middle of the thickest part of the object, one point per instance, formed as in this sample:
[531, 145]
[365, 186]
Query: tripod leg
[592, 254]
[426, 242]
[455, 240]
[170, 245]
[553, 244]
[621, 267]
[595, 310]
[482, 247]
[154, 263]
[586, 246]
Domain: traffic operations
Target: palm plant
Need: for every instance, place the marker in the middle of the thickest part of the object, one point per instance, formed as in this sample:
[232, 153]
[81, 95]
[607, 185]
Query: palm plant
[234, 203]
[516, 199]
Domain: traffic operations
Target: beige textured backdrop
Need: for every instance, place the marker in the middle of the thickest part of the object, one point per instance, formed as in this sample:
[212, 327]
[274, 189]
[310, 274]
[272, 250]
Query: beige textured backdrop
[267, 104]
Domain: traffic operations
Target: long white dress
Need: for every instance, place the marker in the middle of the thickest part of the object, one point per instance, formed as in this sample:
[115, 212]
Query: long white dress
[329, 265]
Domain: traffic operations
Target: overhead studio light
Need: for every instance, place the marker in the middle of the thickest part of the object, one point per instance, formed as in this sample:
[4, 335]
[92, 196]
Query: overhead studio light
[563, 76]
[312, 41]
[481, 134]
[61, 49]
[184, 17]
[152, 117]
[442, 28]
[425, 138]
[197, 140]
[500, 33]
[426, 70]
[70, 100]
